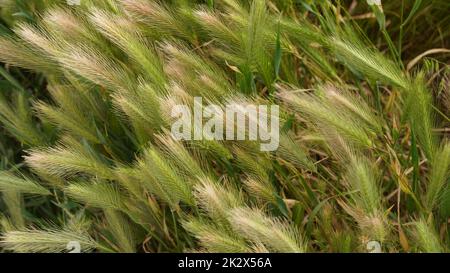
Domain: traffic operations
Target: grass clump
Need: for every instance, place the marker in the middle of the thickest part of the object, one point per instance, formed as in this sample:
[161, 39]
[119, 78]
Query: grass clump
[86, 154]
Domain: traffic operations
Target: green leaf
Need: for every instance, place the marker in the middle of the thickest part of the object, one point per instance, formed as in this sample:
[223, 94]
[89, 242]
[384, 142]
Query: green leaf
[298, 212]
[377, 8]
[10, 79]
[281, 205]
[210, 3]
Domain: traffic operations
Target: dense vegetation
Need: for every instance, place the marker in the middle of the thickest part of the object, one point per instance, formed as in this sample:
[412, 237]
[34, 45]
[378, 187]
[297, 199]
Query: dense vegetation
[86, 93]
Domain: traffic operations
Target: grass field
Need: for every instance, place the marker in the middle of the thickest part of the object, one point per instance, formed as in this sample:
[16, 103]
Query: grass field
[87, 156]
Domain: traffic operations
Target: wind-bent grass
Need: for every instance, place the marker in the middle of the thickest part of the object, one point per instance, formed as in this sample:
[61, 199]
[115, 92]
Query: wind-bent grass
[86, 99]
